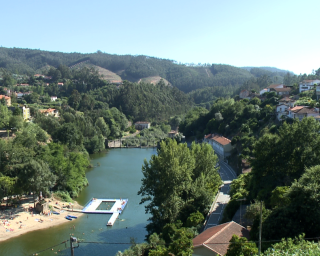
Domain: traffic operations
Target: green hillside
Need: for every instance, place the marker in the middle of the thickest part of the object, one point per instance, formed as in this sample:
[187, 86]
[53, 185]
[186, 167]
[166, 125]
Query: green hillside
[127, 67]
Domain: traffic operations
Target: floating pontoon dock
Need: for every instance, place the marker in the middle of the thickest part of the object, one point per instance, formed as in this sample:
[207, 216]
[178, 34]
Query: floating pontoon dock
[117, 208]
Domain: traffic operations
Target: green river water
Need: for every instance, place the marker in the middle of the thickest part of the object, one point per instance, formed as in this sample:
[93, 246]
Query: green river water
[118, 176]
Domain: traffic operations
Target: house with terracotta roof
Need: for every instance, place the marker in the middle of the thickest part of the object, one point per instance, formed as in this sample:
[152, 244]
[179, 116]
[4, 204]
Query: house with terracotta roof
[287, 101]
[302, 111]
[307, 85]
[272, 86]
[215, 240]
[221, 145]
[142, 125]
[7, 99]
[281, 91]
[50, 112]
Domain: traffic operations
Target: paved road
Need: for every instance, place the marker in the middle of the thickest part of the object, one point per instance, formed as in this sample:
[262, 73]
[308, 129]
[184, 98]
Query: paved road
[227, 175]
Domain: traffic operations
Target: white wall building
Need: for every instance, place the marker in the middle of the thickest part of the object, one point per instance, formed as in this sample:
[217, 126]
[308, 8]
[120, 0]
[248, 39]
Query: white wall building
[307, 85]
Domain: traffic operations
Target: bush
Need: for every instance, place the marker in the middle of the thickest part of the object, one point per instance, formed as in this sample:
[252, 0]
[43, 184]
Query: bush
[63, 196]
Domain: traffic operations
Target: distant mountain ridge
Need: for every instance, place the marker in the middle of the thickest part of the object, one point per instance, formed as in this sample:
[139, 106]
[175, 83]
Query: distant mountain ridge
[271, 69]
[134, 68]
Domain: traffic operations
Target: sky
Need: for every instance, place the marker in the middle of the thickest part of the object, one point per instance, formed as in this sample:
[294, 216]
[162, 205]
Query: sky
[273, 33]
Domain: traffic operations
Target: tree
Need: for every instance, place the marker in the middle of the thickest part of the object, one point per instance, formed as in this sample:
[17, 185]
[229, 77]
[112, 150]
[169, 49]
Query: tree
[36, 176]
[298, 144]
[241, 247]
[104, 128]
[297, 246]
[70, 135]
[178, 182]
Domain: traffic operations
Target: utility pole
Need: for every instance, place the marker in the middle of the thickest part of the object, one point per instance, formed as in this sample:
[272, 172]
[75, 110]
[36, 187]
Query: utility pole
[260, 228]
[73, 240]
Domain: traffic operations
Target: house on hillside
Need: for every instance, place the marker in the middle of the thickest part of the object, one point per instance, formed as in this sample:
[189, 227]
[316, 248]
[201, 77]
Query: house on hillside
[7, 99]
[281, 91]
[172, 134]
[53, 98]
[287, 101]
[263, 91]
[50, 112]
[221, 145]
[307, 85]
[26, 113]
[302, 111]
[272, 86]
[215, 240]
[142, 125]
[282, 110]
[245, 94]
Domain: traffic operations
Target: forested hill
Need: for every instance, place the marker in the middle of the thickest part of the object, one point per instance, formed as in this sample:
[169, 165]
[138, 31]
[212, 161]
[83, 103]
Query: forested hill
[132, 68]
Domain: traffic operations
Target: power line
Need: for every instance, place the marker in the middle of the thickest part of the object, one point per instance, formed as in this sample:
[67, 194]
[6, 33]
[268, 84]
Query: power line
[97, 242]
[64, 242]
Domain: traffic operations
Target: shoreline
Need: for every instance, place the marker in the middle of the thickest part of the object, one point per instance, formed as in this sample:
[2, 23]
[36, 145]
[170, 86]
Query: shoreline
[25, 221]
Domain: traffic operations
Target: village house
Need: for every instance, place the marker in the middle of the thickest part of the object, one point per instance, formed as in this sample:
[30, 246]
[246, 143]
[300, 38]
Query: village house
[7, 99]
[302, 111]
[53, 98]
[220, 144]
[307, 85]
[142, 125]
[22, 94]
[25, 113]
[215, 240]
[263, 91]
[172, 134]
[281, 91]
[60, 84]
[50, 112]
[38, 75]
[23, 85]
[287, 101]
[245, 94]
[282, 110]
[272, 86]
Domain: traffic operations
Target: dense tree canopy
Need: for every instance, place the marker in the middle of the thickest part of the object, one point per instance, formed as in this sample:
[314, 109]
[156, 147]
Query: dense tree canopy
[177, 182]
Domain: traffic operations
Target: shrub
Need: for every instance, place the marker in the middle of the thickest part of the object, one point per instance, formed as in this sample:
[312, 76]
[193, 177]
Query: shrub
[63, 196]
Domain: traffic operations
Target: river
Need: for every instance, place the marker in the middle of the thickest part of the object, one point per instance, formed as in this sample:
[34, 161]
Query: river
[118, 176]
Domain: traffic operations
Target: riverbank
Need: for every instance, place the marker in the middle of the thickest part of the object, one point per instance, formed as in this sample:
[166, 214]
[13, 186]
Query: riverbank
[20, 220]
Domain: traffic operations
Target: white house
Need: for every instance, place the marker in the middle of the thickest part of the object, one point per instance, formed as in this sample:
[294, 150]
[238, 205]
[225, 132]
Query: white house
[54, 98]
[307, 85]
[220, 144]
[302, 111]
[282, 110]
[263, 91]
[142, 125]
[287, 101]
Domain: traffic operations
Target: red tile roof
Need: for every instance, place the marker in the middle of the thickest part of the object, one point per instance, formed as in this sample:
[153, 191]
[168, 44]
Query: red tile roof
[5, 97]
[217, 238]
[282, 89]
[207, 136]
[274, 85]
[221, 140]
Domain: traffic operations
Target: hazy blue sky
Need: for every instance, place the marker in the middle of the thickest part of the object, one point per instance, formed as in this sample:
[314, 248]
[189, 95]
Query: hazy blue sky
[277, 33]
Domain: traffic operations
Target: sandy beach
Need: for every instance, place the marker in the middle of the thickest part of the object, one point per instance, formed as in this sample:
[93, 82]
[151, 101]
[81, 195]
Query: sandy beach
[20, 220]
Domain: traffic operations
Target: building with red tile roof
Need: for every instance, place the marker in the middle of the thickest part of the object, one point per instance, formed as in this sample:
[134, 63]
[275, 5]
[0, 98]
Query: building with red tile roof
[215, 240]
[50, 112]
[7, 99]
[221, 145]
